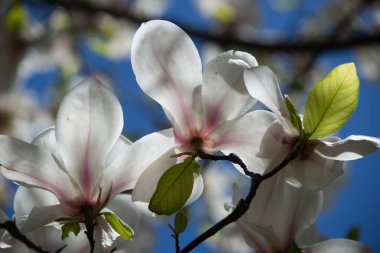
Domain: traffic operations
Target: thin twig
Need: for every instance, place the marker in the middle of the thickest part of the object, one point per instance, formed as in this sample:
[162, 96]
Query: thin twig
[175, 235]
[11, 227]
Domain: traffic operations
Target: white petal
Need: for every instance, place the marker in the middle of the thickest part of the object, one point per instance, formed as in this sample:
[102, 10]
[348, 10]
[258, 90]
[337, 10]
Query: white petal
[314, 171]
[46, 139]
[351, 148]
[30, 165]
[262, 85]
[224, 94]
[89, 122]
[243, 137]
[197, 189]
[40, 216]
[168, 68]
[124, 208]
[147, 183]
[106, 238]
[339, 246]
[124, 171]
[28, 198]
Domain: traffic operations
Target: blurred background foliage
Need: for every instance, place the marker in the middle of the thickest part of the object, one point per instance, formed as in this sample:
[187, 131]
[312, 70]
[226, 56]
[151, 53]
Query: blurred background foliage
[46, 46]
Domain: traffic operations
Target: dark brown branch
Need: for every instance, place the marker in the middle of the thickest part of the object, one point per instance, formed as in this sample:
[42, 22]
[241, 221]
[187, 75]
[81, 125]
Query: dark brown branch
[12, 229]
[322, 44]
[243, 205]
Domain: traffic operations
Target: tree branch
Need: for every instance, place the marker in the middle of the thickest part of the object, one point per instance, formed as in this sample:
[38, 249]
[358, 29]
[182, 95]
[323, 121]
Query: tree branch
[322, 44]
[243, 205]
[12, 229]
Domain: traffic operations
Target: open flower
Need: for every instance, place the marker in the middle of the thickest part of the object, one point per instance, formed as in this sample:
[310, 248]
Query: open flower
[209, 108]
[84, 161]
[283, 212]
[322, 158]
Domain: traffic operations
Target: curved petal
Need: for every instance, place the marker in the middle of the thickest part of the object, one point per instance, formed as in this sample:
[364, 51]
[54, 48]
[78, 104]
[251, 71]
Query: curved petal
[89, 122]
[314, 171]
[147, 183]
[124, 208]
[224, 74]
[351, 148]
[46, 139]
[338, 246]
[106, 239]
[30, 165]
[124, 171]
[40, 216]
[168, 68]
[243, 137]
[28, 198]
[262, 85]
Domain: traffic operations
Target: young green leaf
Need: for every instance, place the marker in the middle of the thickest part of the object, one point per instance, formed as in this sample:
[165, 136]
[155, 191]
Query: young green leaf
[331, 101]
[180, 222]
[119, 226]
[174, 188]
[70, 227]
[294, 115]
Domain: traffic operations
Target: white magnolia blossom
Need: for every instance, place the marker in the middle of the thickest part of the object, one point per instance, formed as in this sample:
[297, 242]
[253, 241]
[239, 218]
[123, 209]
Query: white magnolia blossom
[284, 211]
[322, 159]
[84, 160]
[210, 107]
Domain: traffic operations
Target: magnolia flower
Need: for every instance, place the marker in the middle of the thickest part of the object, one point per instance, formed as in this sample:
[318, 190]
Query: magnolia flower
[283, 211]
[83, 160]
[210, 109]
[322, 159]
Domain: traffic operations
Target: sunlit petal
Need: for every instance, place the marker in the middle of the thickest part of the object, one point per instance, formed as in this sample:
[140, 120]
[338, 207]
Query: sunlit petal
[338, 246]
[89, 122]
[224, 94]
[168, 68]
[351, 148]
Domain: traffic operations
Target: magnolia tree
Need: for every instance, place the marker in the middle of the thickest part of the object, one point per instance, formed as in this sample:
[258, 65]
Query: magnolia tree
[83, 185]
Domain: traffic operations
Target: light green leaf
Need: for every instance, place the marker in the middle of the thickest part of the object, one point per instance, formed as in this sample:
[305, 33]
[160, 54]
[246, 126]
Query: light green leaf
[16, 18]
[70, 227]
[119, 226]
[180, 222]
[331, 101]
[294, 115]
[174, 188]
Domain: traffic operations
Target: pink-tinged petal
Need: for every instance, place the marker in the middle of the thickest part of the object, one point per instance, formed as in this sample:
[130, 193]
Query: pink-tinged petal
[262, 85]
[124, 171]
[273, 231]
[351, 148]
[224, 94]
[339, 246]
[40, 216]
[89, 122]
[243, 137]
[168, 68]
[30, 165]
[314, 171]
[28, 198]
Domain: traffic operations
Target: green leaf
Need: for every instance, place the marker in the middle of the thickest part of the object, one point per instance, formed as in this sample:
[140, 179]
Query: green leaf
[331, 101]
[70, 227]
[174, 188]
[180, 222]
[294, 115]
[119, 226]
[16, 18]
[353, 233]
